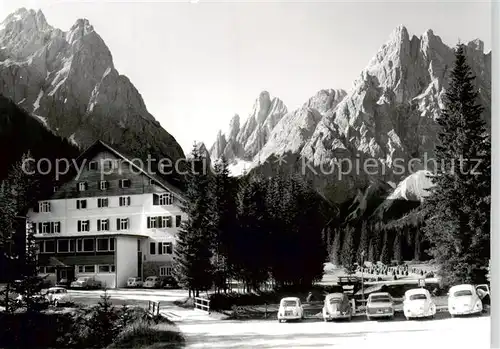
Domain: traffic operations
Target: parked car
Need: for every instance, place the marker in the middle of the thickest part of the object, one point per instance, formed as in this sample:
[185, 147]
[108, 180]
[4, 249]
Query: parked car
[337, 306]
[152, 282]
[463, 299]
[134, 282]
[290, 309]
[379, 304]
[418, 303]
[58, 296]
[64, 283]
[169, 282]
[86, 282]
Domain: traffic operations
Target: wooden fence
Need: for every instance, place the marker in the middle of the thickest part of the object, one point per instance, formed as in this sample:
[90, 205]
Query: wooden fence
[153, 309]
[202, 304]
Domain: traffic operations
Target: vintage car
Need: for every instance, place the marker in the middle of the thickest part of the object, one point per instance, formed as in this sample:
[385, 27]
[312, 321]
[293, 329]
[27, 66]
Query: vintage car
[134, 282]
[337, 306]
[418, 303]
[463, 300]
[86, 282]
[290, 309]
[39, 301]
[64, 282]
[152, 282]
[379, 305]
[58, 296]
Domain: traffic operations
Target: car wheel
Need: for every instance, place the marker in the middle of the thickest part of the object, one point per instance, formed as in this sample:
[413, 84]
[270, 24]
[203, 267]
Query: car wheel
[350, 317]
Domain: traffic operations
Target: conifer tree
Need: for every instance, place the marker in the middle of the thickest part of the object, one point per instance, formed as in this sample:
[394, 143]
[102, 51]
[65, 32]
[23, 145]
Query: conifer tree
[364, 241]
[459, 208]
[397, 250]
[385, 254]
[336, 248]
[349, 251]
[193, 252]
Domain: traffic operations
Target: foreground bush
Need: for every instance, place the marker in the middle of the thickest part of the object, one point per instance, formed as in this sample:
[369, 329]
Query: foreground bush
[143, 334]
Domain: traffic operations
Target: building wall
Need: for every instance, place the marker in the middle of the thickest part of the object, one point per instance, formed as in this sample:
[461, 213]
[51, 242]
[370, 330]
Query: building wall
[63, 209]
[126, 259]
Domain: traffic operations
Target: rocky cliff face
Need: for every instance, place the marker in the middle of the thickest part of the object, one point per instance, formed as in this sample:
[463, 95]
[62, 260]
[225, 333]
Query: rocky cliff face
[389, 116]
[68, 81]
[246, 141]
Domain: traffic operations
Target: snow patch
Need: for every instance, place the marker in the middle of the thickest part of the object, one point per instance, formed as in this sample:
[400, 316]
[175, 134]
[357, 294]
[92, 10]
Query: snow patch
[65, 100]
[42, 120]
[240, 167]
[36, 105]
[21, 101]
[415, 187]
[61, 75]
[108, 70]
[72, 139]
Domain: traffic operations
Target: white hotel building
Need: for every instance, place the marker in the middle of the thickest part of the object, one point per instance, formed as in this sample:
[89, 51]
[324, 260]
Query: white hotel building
[113, 227]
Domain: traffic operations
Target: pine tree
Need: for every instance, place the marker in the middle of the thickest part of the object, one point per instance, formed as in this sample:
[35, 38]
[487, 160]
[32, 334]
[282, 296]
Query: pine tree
[193, 251]
[371, 252]
[364, 241]
[385, 255]
[459, 207]
[397, 250]
[336, 248]
[349, 251]
[223, 216]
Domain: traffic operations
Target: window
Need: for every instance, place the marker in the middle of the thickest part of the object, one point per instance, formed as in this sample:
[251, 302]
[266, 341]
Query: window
[86, 268]
[125, 183]
[82, 186]
[93, 165]
[122, 224]
[124, 200]
[103, 185]
[102, 202]
[152, 222]
[65, 246]
[151, 182]
[55, 188]
[88, 245]
[166, 247]
[103, 224]
[45, 228]
[55, 227]
[84, 225]
[178, 220]
[81, 204]
[165, 271]
[152, 248]
[44, 206]
[85, 245]
[106, 269]
[110, 163]
[105, 244]
[50, 246]
[162, 199]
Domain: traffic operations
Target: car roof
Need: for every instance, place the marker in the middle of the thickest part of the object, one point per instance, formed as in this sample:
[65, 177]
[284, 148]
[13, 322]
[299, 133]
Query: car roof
[290, 299]
[417, 291]
[380, 294]
[336, 295]
[462, 287]
[56, 288]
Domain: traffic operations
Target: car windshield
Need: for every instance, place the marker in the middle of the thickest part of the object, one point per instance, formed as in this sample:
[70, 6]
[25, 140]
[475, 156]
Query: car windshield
[61, 291]
[380, 299]
[418, 296]
[463, 293]
[289, 303]
[150, 279]
[82, 279]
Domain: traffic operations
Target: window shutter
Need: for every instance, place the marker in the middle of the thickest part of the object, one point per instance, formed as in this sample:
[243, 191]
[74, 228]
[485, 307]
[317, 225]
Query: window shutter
[78, 204]
[86, 185]
[88, 225]
[160, 249]
[98, 225]
[158, 222]
[77, 186]
[52, 230]
[149, 222]
[118, 224]
[156, 199]
[128, 200]
[37, 207]
[40, 230]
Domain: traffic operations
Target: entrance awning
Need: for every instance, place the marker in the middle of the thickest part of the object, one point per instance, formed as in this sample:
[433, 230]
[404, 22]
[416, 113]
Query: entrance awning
[54, 262]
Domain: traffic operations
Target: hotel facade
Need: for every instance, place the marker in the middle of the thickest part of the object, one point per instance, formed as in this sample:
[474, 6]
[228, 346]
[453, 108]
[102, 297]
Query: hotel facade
[112, 221]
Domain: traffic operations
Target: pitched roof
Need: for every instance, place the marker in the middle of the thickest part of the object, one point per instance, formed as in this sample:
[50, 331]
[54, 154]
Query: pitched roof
[161, 181]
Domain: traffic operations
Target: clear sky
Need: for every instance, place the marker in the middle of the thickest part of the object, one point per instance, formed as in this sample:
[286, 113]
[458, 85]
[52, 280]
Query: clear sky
[197, 64]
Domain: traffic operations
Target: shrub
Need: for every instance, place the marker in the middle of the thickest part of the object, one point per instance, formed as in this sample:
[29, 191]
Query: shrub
[142, 334]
